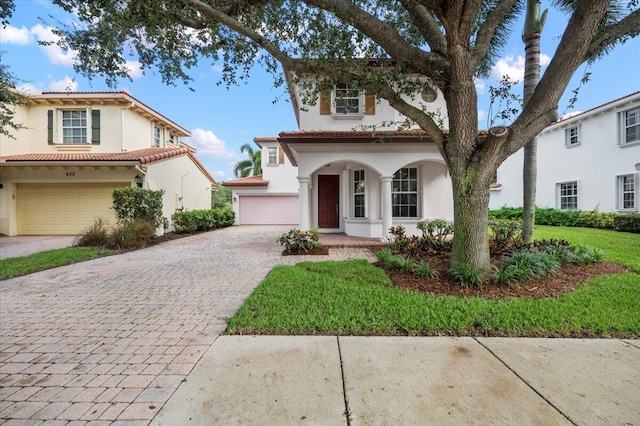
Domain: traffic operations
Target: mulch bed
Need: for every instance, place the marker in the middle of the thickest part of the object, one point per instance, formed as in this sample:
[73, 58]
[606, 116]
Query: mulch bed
[318, 251]
[567, 279]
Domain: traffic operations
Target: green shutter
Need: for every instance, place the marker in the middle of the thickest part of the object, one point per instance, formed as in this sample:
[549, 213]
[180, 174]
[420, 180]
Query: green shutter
[95, 127]
[50, 127]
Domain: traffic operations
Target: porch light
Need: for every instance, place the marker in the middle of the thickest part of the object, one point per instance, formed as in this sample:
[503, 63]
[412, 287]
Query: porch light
[138, 180]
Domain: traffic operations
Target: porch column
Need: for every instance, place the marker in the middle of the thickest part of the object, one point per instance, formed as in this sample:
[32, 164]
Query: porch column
[387, 213]
[305, 222]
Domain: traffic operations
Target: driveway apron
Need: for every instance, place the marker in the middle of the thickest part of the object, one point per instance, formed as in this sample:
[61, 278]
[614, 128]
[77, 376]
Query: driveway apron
[112, 338]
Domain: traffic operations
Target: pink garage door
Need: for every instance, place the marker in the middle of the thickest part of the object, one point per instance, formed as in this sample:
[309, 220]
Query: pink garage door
[269, 210]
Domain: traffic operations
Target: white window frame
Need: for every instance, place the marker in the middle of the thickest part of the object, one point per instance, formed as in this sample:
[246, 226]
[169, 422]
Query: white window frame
[627, 185]
[359, 191]
[272, 156]
[397, 183]
[572, 136]
[560, 197]
[58, 128]
[624, 126]
[172, 139]
[337, 98]
[157, 136]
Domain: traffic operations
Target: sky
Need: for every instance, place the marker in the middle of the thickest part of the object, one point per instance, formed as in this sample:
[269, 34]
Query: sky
[222, 119]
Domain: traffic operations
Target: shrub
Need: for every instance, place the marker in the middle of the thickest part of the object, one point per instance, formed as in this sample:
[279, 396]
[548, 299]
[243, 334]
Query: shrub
[510, 213]
[133, 234]
[436, 233]
[133, 203]
[296, 240]
[555, 217]
[425, 270]
[583, 255]
[627, 223]
[96, 235]
[202, 220]
[506, 232]
[525, 264]
[595, 219]
[384, 255]
[466, 275]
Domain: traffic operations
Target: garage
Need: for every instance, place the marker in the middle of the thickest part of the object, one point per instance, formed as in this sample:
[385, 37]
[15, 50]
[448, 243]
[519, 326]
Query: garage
[269, 209]
[62, 208]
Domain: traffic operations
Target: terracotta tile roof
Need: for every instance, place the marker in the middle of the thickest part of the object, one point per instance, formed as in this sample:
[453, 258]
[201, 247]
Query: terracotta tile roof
[142, 156]
[247, 181]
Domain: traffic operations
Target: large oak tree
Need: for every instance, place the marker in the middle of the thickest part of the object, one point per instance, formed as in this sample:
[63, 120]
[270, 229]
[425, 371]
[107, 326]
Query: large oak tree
[451, 42]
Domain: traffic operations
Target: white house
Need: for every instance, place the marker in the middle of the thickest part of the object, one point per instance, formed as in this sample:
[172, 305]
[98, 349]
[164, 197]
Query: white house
[58, 172]
[588, 161]
[344, 178]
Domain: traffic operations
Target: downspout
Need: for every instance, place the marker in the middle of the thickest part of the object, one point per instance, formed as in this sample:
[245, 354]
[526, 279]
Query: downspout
[131, 105]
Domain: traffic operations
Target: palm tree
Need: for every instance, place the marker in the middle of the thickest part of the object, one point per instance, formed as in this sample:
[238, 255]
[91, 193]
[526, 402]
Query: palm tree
[252, 166]
[533, 24]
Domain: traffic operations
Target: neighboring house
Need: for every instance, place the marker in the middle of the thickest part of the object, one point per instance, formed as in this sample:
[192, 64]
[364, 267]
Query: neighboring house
[588, 161]
[360, 182]
[58, 174]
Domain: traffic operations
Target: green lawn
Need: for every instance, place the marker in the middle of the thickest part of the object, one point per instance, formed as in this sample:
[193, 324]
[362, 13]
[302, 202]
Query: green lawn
[619, 247]
[16, 266]
[356, 298]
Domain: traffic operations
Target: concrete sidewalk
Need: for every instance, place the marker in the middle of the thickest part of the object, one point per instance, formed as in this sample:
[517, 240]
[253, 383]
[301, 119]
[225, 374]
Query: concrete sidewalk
[409, 380]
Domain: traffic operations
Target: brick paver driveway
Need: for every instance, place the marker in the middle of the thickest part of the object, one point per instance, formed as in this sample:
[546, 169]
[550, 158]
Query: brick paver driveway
[110, 340]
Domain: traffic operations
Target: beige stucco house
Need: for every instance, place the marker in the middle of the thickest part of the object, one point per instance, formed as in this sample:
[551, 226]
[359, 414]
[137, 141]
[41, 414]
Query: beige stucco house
[58, 172]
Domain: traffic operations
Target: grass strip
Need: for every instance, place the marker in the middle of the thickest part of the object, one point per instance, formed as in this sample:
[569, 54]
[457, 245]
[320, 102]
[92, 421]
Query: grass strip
[356, 298]
[16, 266]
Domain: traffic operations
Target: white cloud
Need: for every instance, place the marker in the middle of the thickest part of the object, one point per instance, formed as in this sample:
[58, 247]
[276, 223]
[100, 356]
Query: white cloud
[482, 114]
[53, 51]
[513, 67]
[569, 115]
[134, 68]
[207, 143]
[14, 35]
[509, 66]
[67, 84]
[28, 88]
[219, 173]
[479, 85]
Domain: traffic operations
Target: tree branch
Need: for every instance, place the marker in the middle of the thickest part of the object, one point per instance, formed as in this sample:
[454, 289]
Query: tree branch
[488, 28]
[629, 25]
[428, 27]
[418, 116]
[386, 36]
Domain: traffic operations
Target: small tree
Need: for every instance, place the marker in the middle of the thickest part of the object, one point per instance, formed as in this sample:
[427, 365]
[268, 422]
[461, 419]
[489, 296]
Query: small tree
[221, 197]
[133, 203]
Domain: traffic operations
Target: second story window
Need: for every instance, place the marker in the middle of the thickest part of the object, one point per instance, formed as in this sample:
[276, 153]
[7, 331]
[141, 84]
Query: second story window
[74, 127]
[172, 139]
[272, 156]
[572, 136]
[157, 138]
[629, 126]
[347, 100]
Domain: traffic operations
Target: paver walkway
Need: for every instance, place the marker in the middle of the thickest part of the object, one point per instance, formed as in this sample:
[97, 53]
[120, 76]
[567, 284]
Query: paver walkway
[110, 340]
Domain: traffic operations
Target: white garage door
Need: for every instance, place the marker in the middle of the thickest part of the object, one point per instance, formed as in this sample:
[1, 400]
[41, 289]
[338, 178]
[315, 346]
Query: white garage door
[269, 210]
[63, 209]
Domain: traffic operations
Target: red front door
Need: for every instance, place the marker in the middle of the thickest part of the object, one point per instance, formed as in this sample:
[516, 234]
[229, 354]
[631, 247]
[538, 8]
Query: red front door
[328, 201]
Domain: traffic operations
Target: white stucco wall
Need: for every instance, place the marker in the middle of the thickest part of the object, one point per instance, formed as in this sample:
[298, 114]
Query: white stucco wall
[282, 177]
[594, 163]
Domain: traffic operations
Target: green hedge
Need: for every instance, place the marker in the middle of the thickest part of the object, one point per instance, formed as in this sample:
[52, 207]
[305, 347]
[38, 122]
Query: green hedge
[588, 219]
[202, 220]
[627, 223]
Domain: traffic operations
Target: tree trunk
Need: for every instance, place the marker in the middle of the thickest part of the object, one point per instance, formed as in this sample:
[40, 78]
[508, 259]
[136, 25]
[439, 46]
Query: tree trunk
[470, 206]
[531, 37]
